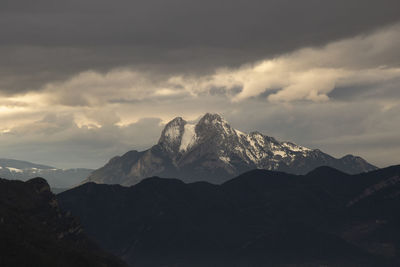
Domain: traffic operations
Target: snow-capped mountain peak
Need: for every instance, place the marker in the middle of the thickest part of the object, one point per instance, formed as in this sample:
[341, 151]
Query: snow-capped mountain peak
[211, 150]
[171, 136]
[179, 137]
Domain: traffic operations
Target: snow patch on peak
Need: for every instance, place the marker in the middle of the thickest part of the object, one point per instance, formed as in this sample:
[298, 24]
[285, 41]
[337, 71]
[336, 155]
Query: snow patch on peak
[295, 147]
[239, 133]
[259, 138]
[189, 137]
[226, 128]
[14, 170]
[225, 159]
[172, 132]
[281, 153]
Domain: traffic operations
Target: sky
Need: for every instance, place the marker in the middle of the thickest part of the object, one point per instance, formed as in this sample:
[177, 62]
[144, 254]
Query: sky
[83, 81]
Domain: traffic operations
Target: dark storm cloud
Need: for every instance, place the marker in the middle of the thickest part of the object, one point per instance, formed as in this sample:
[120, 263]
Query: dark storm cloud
[47, 40]
[181, 22]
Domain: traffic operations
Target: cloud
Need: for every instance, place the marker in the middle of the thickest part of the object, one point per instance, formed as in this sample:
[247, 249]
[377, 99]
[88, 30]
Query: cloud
[312, 73]
[58, 141]
[320, 96]
[307, 74]
[47, 42]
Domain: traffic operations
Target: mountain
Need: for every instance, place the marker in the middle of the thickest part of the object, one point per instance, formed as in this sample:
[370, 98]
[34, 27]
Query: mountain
[35, 232]
[260, 218]
[211, 150]
[57, 178]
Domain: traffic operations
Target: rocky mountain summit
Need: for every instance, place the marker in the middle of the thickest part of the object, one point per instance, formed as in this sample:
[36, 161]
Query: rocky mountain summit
[211, 150]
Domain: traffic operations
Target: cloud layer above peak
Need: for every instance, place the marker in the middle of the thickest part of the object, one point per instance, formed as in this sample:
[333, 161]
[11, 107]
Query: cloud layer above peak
[81, 83]
[309, 74]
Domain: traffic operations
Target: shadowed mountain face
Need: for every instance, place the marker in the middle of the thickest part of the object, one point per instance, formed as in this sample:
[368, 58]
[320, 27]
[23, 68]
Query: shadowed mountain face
[261, 218]
[35, 232]
[211, 150]
[57, 178]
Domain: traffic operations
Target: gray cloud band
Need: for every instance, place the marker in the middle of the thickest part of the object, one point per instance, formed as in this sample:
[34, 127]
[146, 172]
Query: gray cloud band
[45, 40]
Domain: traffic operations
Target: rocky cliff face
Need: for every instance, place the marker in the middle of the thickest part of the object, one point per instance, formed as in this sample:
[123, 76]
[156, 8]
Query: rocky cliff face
[211, 150]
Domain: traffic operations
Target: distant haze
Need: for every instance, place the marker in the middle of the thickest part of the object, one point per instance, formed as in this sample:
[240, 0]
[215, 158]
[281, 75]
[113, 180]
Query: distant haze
[83, 81]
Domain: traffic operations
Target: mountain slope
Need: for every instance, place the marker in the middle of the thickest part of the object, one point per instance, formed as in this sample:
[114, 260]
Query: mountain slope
[211, 150]
[35, 232]
[57, 178]
[261, 218]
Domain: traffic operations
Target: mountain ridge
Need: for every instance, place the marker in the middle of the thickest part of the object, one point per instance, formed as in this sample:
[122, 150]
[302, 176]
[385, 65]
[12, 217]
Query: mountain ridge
[13, 169]
[36, 232]
[260, 218]
[211, 150]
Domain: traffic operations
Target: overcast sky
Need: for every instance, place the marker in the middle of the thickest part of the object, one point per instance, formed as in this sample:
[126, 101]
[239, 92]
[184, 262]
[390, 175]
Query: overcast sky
[83, 81]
